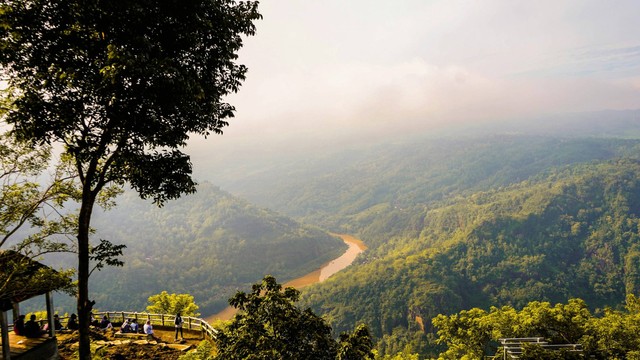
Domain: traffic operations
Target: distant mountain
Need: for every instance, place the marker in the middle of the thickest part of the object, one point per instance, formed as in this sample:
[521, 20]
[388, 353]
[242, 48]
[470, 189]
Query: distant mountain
[504, 215]
[208, 244]
[331, 192]
[359, 170]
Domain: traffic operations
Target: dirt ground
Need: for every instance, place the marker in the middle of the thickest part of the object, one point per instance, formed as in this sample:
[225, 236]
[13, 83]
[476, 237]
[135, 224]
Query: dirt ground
[68, 346]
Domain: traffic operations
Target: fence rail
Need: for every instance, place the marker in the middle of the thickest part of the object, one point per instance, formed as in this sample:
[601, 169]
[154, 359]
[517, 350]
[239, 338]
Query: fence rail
[190, 323]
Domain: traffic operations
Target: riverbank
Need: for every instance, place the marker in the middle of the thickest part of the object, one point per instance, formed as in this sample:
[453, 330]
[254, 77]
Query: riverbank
[355, 247]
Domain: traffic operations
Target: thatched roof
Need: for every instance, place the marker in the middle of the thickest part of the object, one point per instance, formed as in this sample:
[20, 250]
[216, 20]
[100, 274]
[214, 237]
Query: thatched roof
[22, 278]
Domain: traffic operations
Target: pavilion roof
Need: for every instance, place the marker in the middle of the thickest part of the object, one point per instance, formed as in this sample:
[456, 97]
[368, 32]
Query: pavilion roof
[22, 278]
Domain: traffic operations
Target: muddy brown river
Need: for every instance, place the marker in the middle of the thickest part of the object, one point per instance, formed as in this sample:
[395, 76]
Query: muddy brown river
[356, 246]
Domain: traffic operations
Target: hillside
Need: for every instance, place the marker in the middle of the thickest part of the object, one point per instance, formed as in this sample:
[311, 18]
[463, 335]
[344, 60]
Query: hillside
[572, 232]
[460, 221]
[331, 191]
[208, 244]
[323, 187]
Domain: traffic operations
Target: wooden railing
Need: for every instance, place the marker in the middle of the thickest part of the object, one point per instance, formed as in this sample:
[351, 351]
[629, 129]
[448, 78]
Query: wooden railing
[190, 323]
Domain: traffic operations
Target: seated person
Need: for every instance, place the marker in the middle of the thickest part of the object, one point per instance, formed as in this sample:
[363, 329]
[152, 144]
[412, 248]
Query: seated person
[134, 326]
[56, 322]
[32, 329]
[18, 325]
[72, 324]
[93, 321]
[105, 324]
[148, 328]
[126, 326]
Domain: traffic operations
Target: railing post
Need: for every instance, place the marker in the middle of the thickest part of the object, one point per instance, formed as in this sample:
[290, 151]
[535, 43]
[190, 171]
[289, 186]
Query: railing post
[189, 322]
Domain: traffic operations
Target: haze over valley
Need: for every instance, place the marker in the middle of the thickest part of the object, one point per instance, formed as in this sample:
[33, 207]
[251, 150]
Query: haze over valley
[486, 154]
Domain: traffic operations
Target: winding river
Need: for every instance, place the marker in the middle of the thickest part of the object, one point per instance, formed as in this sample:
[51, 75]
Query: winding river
[356, 246]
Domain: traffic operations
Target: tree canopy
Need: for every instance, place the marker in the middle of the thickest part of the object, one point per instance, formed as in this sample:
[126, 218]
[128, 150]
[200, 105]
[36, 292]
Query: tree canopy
[165, 303]
[474, 333]
[270, 326]
[32, 222]
[122, 85]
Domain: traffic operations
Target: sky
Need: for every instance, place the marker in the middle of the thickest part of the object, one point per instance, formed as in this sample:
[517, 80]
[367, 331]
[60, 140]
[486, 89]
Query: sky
[330, 71]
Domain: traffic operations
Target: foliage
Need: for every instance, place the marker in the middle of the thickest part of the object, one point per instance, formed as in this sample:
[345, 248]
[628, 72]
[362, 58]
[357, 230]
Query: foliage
[165, 303]
[270, 326]
[204, 351]
[33, 213]
[474, 333]
[207, 244]
[122, 86]
[399, 356]
[566, 233]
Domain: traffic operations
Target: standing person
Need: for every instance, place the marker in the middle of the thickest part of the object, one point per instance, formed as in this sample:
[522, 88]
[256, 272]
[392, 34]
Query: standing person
[178, 323]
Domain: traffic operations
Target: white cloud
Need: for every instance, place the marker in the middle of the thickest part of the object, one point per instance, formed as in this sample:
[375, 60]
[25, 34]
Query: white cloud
[325, 69]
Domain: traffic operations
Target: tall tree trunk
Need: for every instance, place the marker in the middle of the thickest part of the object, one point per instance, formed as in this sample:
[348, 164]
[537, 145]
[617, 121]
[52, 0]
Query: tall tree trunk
[84, 305]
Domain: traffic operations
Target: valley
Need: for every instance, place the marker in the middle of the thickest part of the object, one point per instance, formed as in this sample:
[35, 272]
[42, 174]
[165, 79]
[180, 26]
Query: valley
[355, 247]
[449, 223]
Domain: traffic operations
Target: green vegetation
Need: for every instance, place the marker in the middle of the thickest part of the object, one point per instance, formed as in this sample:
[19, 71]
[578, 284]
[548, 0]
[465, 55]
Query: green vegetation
[270, 326]
[204, 351]
[351, 191]
[121, 86]
[207, 244]
[472, 334]
[31, 223]
[165, 303]
[568, 232]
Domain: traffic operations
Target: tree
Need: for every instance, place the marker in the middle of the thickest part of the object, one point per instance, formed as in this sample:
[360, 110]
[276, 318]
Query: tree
[122, 85]
[32, 212]
[270, 326]
[164, 303]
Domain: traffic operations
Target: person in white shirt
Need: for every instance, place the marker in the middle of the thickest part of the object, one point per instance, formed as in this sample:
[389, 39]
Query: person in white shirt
[134, 326]
[148, 328]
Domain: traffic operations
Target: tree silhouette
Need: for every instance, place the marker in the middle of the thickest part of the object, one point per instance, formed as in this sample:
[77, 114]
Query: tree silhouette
[121, 85]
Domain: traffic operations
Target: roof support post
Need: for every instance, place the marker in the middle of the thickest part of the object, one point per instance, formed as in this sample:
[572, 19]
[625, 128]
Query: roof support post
[52, 326]
[16, 311]
[4, 325]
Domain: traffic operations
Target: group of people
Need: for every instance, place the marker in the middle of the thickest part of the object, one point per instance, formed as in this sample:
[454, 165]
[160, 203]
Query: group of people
[130, 326]
[32, 328]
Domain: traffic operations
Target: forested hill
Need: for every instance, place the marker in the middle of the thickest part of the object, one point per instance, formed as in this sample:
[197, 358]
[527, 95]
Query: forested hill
[569, 232]
[208, 244]
[341, 189]
[462, 221]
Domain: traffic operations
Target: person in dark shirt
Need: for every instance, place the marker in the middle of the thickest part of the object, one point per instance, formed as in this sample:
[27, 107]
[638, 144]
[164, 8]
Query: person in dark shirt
[72, 324]
[56, 322]
[105, 324]
[32, 329]
[18, 325]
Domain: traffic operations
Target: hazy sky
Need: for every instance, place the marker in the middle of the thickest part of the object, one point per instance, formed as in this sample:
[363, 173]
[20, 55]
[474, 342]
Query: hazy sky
[335, 69]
